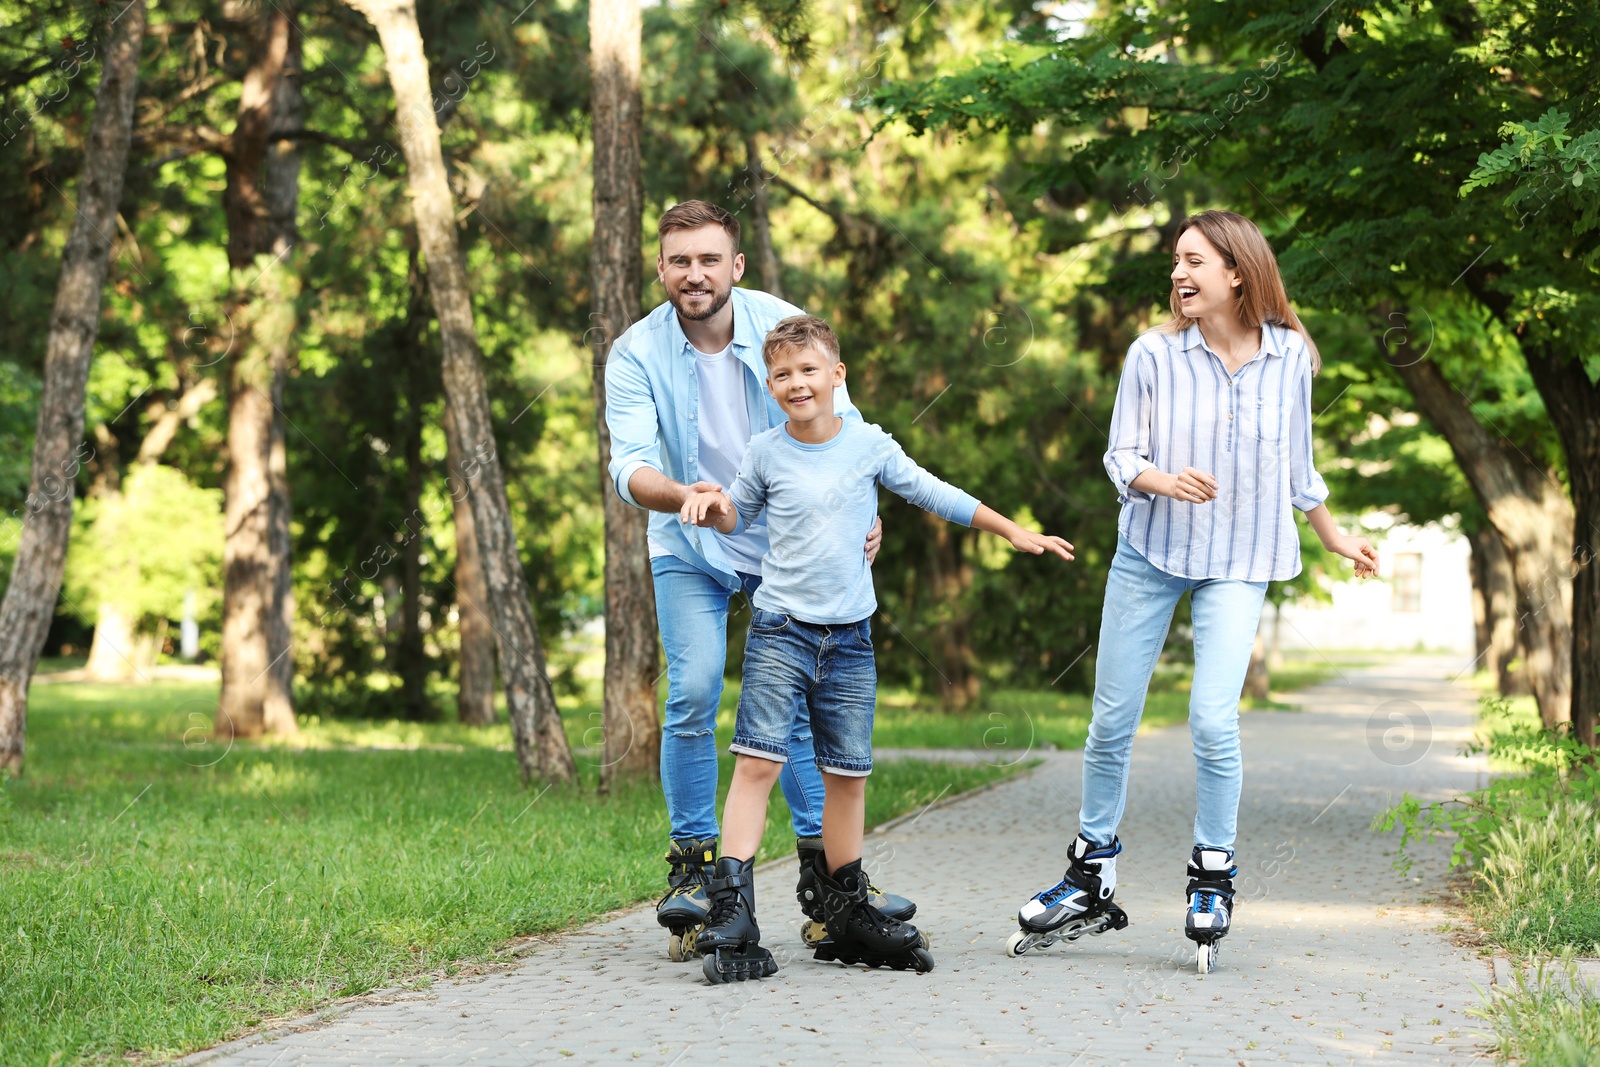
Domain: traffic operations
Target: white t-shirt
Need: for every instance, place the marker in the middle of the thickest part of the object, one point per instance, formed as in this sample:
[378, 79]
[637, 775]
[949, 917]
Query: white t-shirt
[724, 435]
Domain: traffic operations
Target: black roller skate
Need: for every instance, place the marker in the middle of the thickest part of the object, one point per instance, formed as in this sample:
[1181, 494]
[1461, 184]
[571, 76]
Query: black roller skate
[1078, 904]
[731, 940]
[1211, 875]
[683, 909]
[859, 932]
[814, 929]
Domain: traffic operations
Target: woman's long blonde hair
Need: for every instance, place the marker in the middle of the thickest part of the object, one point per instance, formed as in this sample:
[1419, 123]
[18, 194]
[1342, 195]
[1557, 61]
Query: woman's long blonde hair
[1261, 296]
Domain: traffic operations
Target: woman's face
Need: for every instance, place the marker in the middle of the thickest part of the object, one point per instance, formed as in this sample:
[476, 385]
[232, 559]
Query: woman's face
[1204, 282]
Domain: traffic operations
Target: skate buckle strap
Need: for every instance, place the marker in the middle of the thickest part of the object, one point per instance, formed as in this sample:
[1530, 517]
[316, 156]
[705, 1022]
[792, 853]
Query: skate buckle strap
[1218, 887]
[722, 883]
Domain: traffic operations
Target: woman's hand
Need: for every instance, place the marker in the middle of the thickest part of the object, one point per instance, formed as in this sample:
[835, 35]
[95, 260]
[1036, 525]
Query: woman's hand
[1038, 544]
[1358, 550]
[1193, 486]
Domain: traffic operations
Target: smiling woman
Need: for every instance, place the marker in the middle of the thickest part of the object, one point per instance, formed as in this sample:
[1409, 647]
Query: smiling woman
[1210, 452]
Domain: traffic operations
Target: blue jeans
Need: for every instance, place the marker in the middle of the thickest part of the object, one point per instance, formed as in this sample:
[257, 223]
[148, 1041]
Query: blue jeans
[692, 611]
[793, 669]
[1140, 599]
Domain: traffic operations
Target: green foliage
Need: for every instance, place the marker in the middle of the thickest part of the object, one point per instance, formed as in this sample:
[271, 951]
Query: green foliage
[145, 547]
[1555, 768]
[1532, 839]
[1545, 161]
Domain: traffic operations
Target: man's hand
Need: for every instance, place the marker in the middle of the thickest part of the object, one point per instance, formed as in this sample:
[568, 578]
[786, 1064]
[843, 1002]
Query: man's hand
[874, 539]
[708, 508]
[1358, 550]
[655, 491]
[1038, 544]
[1194, 486]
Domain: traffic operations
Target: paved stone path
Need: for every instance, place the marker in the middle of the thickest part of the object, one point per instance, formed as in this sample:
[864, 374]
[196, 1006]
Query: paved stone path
[1335, 958]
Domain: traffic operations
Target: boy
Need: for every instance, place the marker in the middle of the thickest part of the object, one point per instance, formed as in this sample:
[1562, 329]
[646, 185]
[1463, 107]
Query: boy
[816, 478]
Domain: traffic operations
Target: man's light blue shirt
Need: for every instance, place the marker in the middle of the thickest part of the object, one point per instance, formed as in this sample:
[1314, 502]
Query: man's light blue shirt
[653, 411]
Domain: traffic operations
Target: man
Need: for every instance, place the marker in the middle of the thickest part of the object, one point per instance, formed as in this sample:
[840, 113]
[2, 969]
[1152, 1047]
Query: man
[684, 395]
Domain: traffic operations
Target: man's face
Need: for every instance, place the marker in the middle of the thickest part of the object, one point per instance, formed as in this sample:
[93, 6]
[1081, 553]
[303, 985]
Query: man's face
[698, 269]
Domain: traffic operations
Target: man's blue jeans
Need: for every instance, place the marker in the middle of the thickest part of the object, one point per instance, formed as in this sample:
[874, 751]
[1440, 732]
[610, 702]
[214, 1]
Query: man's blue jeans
[1140, 599]
[692, 611]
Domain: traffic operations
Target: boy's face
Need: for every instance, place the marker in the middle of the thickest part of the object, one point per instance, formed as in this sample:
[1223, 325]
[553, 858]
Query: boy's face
[802, 380]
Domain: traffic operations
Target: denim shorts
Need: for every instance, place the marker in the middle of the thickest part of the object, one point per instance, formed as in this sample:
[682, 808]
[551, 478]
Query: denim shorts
[792, 667]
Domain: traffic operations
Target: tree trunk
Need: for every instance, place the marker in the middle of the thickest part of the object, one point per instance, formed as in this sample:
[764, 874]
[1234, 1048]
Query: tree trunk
[412, 665]
[261, 308]
[630, 717]
[111, 649]
[1573, 402]
[58, 448]
[536, 729]
[283, 204]
[950, 576]
[475, 699]
[1494, 610]
[767, 261]
[1257, 679]
[1530, 511]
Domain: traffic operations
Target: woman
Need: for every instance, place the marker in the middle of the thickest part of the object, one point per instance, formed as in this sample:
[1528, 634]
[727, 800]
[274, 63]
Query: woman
[1210, 451]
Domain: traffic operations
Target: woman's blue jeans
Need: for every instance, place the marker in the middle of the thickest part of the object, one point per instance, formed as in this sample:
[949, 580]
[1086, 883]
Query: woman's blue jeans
[1140, 599]
[692, 611]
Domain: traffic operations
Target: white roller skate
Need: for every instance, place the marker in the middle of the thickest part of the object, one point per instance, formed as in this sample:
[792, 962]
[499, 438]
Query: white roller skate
[1211, 875]
[1078, 904]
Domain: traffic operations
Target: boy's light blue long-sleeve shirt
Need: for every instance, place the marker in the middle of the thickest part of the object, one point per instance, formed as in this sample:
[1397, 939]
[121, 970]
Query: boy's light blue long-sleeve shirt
[819, 501]
[653, 411]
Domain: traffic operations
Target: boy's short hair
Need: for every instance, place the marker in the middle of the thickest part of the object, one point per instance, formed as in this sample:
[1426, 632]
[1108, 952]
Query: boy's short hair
[800, 331]
[693, 214]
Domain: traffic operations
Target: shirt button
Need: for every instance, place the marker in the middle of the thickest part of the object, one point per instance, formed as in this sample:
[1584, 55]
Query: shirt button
[1230, 416]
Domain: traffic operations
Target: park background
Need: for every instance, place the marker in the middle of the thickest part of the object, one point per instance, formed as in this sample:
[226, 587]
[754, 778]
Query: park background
[209, 831]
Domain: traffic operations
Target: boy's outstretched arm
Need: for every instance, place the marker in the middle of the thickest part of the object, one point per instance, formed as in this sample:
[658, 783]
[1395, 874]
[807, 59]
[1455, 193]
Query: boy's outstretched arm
[991, 521]
[713, 509]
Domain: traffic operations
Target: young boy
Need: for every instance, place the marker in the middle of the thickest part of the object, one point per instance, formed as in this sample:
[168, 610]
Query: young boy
[810, 645]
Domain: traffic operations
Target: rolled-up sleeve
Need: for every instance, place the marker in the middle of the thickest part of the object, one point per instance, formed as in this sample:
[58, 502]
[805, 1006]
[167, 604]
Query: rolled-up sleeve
[1131, 421]
[631, 418]
[1306, 487]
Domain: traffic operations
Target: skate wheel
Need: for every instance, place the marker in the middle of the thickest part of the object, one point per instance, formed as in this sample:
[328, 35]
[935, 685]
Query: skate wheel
[713, 975]
[922, 960]
[812, 933]
[1017, 944]
[1206, 957]
[680, 947]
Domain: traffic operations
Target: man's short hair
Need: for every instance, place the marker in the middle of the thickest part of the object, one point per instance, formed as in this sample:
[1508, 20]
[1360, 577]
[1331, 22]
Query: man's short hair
[800, 331]
[693, 214]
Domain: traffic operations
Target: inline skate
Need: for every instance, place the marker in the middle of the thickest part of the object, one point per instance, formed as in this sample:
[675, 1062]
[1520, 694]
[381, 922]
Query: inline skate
[731, 940]
[859, 932]
[813, 930]
[1081, 903]
[683, 909]
[1211, 875]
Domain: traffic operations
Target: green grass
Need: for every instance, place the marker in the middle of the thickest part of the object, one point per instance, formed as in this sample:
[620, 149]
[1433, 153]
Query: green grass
[1532, 840]
[161, 895]
[1551, 1019]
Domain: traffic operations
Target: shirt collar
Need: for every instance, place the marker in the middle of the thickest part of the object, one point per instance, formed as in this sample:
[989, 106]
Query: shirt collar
[1273, 340]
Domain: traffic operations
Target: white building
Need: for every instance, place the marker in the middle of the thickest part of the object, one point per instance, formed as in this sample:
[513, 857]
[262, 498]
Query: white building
[1422, 597]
